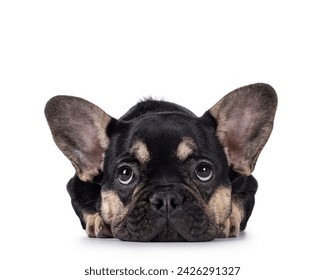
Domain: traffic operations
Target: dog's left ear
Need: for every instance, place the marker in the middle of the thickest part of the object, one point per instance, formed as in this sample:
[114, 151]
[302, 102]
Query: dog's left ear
[244, 119]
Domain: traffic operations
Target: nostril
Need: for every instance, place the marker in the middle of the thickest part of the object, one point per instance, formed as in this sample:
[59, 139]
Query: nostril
[175, 202]
[157, 203]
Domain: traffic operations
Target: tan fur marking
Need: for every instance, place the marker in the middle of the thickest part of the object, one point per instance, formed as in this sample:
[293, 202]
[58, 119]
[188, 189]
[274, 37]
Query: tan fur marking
[220, 204]
[234, 220]
[185, 148]
[140, 151]
[112, 208]
[137, 190]
[95, 226]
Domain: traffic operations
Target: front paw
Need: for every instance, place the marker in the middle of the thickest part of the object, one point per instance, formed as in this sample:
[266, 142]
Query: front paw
[96, 227]
[231, 227]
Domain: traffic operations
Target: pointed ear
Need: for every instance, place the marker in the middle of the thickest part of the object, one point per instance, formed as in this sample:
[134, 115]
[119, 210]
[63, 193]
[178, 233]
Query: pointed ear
[244, 120]
[79, 130]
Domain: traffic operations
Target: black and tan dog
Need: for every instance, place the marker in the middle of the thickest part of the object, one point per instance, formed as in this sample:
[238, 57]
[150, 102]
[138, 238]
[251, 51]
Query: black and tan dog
[160, 173]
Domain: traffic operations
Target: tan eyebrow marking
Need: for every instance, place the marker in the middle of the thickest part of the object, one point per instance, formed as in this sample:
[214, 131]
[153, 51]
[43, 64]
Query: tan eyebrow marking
[185, 148]
[140, 150]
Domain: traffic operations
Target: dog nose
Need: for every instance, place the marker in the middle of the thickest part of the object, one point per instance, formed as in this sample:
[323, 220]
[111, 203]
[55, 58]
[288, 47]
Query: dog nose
[165, 202]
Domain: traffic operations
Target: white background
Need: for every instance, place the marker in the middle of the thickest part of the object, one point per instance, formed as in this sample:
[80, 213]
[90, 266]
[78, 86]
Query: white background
[190, 52]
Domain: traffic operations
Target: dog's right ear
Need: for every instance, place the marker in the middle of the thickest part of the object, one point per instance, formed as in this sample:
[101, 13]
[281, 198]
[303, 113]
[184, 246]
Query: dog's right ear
[79, 130]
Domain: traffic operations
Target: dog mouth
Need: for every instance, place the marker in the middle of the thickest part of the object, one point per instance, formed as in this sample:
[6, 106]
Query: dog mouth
[168, 214]
[168, 234]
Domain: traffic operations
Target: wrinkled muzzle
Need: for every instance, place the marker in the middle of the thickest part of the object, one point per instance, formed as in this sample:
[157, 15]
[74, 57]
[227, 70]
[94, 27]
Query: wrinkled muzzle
[169, 213]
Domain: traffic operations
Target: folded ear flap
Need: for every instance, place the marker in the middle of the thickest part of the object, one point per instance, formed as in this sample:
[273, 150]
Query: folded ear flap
[79, 130]
[244, 120]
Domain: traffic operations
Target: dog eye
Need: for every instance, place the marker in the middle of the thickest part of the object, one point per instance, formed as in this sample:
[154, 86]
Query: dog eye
[125, 175]
[204, 172]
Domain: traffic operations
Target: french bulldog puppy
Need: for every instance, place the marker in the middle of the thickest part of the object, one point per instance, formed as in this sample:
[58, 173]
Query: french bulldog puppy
[160, 173]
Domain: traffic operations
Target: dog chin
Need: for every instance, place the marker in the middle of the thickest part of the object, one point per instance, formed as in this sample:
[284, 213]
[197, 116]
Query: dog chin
[169, 234]
[166, 230]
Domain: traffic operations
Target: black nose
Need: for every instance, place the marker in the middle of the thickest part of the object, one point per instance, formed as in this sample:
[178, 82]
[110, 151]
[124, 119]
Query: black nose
[165, 203]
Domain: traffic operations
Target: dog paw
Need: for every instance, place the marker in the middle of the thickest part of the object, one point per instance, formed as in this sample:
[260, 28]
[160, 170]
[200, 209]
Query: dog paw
[231, 227]
[96, 227]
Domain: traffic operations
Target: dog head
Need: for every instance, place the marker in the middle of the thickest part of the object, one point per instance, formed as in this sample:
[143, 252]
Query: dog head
[164, 173]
